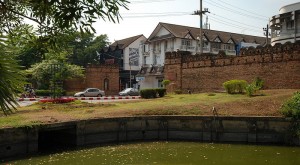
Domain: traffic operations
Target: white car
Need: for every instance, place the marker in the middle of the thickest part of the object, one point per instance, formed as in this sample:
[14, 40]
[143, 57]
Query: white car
[90, 92]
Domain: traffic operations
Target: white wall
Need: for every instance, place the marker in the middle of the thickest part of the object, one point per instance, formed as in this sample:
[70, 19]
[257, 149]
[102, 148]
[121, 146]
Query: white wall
[136, 44]
[148, 82]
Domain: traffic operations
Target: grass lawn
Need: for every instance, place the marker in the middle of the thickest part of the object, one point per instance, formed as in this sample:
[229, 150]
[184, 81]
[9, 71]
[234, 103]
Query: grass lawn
[267, 103]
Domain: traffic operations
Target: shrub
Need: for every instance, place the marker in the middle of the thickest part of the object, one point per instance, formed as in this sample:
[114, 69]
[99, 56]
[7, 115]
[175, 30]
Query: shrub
[256, 85]
[250, 89]
[161, 92]
[47, 92]
[43, 92]
[166, 82]
[259, 83]
[291, 108]
[58, 100]
[235, 86]
[148, 93]
[178, 91]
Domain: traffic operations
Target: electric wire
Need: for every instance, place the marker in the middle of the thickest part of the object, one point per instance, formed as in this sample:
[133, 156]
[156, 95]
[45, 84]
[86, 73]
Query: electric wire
[233, 20]
[234, 11]
[236, 7]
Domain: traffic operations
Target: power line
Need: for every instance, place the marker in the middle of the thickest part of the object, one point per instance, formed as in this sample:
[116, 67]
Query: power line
[233, 25]
[234, 11]
[243, 9]
[236, 21]
[144, 15]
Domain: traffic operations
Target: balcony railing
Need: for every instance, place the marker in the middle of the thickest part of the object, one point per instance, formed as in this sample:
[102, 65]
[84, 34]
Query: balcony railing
[187, 47]
[215, 50]
[230, 52]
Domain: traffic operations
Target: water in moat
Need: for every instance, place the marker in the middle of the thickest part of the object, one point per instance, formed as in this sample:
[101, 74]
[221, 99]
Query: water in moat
[172, 153]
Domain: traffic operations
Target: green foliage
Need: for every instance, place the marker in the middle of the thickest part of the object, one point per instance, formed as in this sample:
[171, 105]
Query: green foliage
[235, 86]
[178, 91]
[291, 107]
[252, 88]
[148, 93]
[166, 82]
[56, 15]
[41, 72]
[161, 92]
[11, 78]
[259, 83]
[86, 48]
[152, 93]
[47, 92]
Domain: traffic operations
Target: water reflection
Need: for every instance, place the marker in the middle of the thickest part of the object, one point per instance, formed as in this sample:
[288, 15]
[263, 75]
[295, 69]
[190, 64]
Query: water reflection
[173, 153]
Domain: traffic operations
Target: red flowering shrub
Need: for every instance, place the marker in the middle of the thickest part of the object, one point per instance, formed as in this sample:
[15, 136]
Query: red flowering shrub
[57, 100]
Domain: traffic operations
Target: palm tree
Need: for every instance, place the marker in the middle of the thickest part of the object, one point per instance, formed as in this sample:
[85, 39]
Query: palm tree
[11, 79]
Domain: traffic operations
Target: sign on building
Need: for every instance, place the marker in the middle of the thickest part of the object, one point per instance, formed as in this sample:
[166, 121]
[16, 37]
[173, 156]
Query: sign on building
[134, 56]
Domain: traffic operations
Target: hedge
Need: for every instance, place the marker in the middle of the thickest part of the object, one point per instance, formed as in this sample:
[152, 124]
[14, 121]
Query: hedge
[46, 92]
[235, 86]
[152, 93]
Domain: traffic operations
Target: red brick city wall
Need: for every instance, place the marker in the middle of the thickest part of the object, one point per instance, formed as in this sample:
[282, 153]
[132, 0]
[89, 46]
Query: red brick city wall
[278, 66]
[94, 78]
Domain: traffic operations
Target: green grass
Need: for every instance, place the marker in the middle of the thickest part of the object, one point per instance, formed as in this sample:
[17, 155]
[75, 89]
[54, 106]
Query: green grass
[171, 104]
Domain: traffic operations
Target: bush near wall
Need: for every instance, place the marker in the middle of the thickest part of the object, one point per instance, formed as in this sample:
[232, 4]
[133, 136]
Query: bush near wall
[152, 93]
[291, 108]
[46, 92]
[235, 86]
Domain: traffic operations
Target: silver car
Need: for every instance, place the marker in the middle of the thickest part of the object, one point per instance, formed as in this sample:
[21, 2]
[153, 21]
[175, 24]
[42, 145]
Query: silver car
[129, 92]
[90, 92]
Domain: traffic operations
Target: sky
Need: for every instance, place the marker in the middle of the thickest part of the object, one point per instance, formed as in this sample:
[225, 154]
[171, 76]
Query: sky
[237, 16]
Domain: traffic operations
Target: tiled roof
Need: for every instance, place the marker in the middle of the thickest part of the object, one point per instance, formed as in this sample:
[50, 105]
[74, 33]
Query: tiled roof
[125, 42]
[180, 31]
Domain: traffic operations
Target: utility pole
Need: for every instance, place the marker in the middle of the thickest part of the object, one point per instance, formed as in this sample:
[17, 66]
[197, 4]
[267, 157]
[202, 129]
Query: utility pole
[266, 33]
[129, 74]
[200, 13]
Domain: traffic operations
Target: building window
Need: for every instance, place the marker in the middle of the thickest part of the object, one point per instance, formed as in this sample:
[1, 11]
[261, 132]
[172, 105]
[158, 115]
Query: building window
[227, 47]
[106, 84]
[186, 42]
[290, 25]
[216, 45]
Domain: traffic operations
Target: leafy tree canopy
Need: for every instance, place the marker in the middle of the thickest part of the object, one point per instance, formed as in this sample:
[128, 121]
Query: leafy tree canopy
[53, 16]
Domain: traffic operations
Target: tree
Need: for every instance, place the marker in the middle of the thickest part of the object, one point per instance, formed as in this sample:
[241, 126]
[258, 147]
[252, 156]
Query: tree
[11, 79]
[43, 75]
[86, 49]
[53, 17]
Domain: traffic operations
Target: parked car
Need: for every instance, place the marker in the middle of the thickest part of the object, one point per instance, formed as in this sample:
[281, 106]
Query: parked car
[129, 92]
[90, 92]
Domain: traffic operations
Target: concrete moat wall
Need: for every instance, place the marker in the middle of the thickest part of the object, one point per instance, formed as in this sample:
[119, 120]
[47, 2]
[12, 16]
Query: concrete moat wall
[26, 141]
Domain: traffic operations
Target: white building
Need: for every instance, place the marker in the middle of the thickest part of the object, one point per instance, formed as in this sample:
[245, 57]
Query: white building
[170, 37]
[127, 54]
[285, 27]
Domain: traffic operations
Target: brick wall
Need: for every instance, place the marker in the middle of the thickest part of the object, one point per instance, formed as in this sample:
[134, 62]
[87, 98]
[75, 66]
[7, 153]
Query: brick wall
[278, 66]
[94, 78]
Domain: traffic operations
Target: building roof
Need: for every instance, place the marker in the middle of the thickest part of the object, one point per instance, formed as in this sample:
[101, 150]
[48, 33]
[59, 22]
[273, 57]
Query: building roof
[179, 31]
[121, 44]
